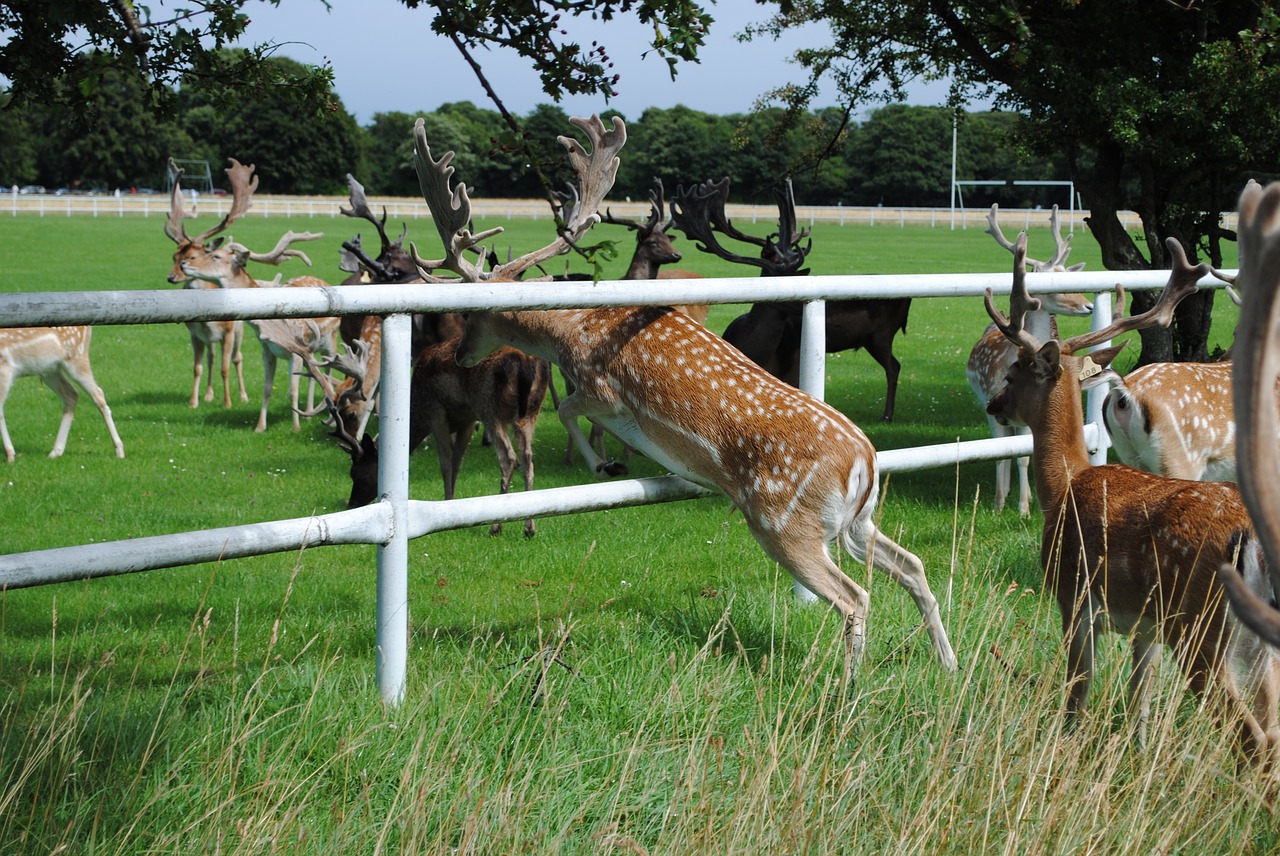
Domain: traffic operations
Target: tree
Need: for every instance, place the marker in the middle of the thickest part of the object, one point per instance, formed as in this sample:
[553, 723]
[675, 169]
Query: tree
[1177, 99]
[46, 62]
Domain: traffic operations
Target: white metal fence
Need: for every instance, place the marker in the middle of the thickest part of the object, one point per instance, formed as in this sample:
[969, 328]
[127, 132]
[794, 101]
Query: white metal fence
[401, 208]
[394, 520]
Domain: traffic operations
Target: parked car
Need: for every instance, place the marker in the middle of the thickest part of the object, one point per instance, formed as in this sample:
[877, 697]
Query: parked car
[33, 188]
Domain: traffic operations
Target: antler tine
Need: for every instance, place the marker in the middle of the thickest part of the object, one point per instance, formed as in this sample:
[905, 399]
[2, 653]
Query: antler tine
[1184, 278]
[657, 204]
[993, 229]
[787, 255]
[694, 213]
[243, 185]
[360, 208]
[173, 226]
[1061, 246]
[1020, 302]
[450, 209]
[281, 251]
[1257, 368]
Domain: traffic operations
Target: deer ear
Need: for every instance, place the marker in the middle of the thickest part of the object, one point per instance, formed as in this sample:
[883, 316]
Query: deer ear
[1047, 363]
[1095, 368]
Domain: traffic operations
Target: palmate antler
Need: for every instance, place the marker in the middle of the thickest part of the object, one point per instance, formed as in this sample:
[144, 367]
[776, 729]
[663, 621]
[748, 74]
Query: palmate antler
[1257, 371]
[243, 184]
[700, 213]
[451, 207]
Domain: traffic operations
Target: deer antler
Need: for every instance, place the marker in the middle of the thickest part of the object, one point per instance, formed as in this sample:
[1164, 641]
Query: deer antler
[1061, 247]
[700, 213]
[1020, 301]
[243, 185]
[173, 226]
[451, 207]
[281, 250]
[360, 208]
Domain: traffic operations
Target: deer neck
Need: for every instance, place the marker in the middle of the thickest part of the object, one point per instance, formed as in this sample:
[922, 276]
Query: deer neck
[641, 267]
[1060, 453]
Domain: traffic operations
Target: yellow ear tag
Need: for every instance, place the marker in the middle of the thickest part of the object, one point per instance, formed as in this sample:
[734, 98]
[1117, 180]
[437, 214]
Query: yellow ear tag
[1089, 368]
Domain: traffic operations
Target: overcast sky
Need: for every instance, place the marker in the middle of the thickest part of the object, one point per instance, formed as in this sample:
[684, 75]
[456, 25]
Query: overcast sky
[385, 58]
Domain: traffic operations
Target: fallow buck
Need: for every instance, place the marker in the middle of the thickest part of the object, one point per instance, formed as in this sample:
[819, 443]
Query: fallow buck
[1126, 550]
[227, 334]
[802, 474]
[993, 353]
[225, 265]
[769, 334]
[57, 355]
[1257, 360]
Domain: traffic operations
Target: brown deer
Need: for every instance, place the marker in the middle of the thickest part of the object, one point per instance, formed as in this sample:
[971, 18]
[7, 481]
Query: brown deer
[1257, 361]
[802, 474]
[447, 401]
[228, 334]
[58, 355]
[769, 334]
[1126, 550]
[993, 353]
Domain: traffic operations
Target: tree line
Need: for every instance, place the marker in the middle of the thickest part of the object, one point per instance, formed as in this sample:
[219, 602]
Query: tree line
[897, 155]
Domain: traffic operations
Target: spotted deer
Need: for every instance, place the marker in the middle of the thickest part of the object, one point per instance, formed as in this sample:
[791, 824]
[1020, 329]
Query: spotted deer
[802, 474]
[225, 265]
[57, 355]
[993, 353]
[1257, 359]
[229, 335]
[1127, 550]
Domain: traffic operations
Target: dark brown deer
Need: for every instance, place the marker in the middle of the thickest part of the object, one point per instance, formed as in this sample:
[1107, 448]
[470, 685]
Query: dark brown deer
[769, 334]
[1127, 550]
[803, 475]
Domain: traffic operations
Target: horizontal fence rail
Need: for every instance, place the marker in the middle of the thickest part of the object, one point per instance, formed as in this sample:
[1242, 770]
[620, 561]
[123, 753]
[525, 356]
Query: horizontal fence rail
[392, 522]
[404, 208]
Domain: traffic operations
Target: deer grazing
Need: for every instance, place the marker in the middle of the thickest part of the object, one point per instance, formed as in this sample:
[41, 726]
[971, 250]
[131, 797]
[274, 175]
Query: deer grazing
[769, 334]
[993, 353]
[58, 355]
[802, 474]
[1258, 374]
[225, 266]
[1130, 551]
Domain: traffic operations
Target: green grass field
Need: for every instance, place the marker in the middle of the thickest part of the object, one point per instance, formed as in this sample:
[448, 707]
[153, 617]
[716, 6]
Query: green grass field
[684, 701]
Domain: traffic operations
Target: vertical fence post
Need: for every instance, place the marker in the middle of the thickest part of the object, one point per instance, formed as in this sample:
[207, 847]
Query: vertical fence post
[1094, 397]
[393, 487]
[813, 370]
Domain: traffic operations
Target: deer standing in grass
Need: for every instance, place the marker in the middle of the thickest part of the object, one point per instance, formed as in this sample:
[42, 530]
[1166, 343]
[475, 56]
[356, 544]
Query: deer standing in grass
[802, 474]
[993, 353]
[227, 334]
[1126, 550]
[1257, 359]
[225, 266]
[57, 355]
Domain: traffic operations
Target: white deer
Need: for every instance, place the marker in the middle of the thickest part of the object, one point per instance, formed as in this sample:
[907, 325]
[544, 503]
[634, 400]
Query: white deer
[58, 355]
[1129, 551]
[803, 475]
[993, 353]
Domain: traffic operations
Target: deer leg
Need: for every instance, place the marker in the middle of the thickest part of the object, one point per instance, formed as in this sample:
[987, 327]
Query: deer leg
[67, 393]
[1146, 656]
[237, 358]
[1079, 629]
[506, 467]
[576, 405]
[906, 569]
[1024, 480]
[268, 380]
[227, 348]
[6, 381]
[197, 369]
[82, 374]
[882, 352]
[524, 440]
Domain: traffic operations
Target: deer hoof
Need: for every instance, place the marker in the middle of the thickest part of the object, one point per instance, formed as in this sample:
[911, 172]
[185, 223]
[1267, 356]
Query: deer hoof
[612, 468]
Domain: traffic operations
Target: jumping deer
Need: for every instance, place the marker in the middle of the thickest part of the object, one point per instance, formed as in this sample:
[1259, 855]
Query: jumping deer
[802, 473]
[769, 334]
[1258, 374]
[58, 355]
[993, 353]
[225, 266]
[206, 334]
[1126, 550]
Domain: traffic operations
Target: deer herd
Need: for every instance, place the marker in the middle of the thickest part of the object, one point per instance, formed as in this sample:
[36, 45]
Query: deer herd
[1163, 547]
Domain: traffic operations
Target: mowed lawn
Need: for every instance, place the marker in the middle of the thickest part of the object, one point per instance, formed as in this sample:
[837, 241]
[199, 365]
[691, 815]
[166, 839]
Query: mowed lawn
[634, 680]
